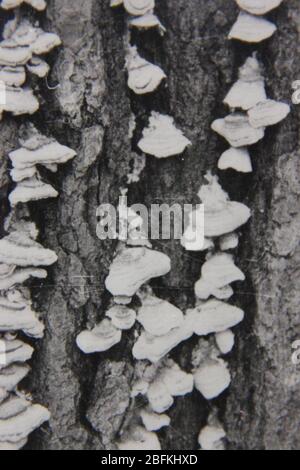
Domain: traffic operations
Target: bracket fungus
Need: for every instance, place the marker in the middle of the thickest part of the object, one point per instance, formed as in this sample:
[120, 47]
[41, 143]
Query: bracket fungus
[268, 113]
[18, 276]
[177, 382]
[18, 249]
[159, 397]
[15, 316]
[143, 77]
[158, 316]
[230, 241]
[31, 189]
[147, 21]
[212, 378]
[252, 29]
[132, 268]
[237, 130]
[103, 337]
[13, 76]
[217, 273]
[10, 376]
[210, 438]
[258, 7]
[39, 5]
[162, 139]
[154, 421]
[236, 158]
[139, 7]
[16, 352]
[19, 101]
[221, 216]
[213, 316]
[38, 67]
[250, 87]
[122, 317]
[18, 427]
[225, 341]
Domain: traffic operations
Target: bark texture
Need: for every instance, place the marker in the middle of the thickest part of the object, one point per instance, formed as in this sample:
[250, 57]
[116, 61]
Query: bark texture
[91, 111]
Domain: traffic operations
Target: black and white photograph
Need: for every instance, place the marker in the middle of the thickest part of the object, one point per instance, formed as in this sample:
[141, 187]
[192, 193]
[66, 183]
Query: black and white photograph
[149, 228]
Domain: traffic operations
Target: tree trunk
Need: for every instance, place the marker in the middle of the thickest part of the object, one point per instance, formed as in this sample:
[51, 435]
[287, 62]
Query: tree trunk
[90, 111]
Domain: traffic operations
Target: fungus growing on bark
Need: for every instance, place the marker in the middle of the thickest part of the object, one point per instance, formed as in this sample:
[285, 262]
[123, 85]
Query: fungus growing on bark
[12, 406]
[258, 7]
[39, 5]
[31, 189]
[18, 276]
[230, 241]
[268, 113]
[122, 317]
[250, 87]
[147, 21]
[252, 29]
[217, 273]
[38, 67]
[213, 316]
[15, 316]
[154, 421]
[177, 382]
[159, 397]
[20, 250]
[132, 268]
[15, 352]
[210, 438]
[102, 338]
[225, 341]
[18, 427]
[139, 7]
[237, 130]
[158, 316]
[10, 376]
[236, 158]
[14, 56]
[212, 378]
[13, 76]
[138, 438]
[143, 77]
[162, 139]
[19, 101]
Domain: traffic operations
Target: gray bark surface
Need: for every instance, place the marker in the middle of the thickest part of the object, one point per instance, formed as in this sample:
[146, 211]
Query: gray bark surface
[90, 111]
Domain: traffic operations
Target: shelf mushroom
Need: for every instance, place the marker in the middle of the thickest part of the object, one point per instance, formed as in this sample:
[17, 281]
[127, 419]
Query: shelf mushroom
[154, 421]
[162, 139]
[122, 317]
[10, 376]
[210, 438]
[137, 438]
[159, 317]
[268, 113]
[252, 29]
[236, 158]
[225, 341]
[212, 378]
[20, 250]
[143, 77]
[15, 316]
[102, 338]
[39, 5]
[237, 130]
[31, 189]
[258, 7]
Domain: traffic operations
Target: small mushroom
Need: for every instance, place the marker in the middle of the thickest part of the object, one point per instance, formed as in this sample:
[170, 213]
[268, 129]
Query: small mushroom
[237, 130]
[158, 316]
[139, 7]
[122, 317]
[153, 421]
[250, 87]
[17, 248]
[218, 272]
[162, 139]
[39, 5]
[14, 56]
[12, 375]
[103, 337]
[139, 439]
[20, 426]
[13, 76]
[13, 406]
[230, 241]
[252, 29]
[258, 7]
[18, 175]
[212, 378]
[210, 438]
[213, 316]
[31, 189]
[225, 341]
[147, 21]
[159, 397]
[236, 158]
[268, 113]
[143, 77]
[132, 268]
[38, 67]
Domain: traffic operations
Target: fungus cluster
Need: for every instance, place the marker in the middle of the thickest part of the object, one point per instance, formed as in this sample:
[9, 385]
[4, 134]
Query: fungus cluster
[22, 257]
[20, 50]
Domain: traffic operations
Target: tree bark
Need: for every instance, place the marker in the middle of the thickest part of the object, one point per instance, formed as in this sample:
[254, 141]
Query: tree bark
[90, 111]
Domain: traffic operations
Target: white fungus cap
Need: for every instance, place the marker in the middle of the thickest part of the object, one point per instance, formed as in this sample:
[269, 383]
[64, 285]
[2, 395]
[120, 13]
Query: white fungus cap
[258, 7]
[252, 29]
[212, 378]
